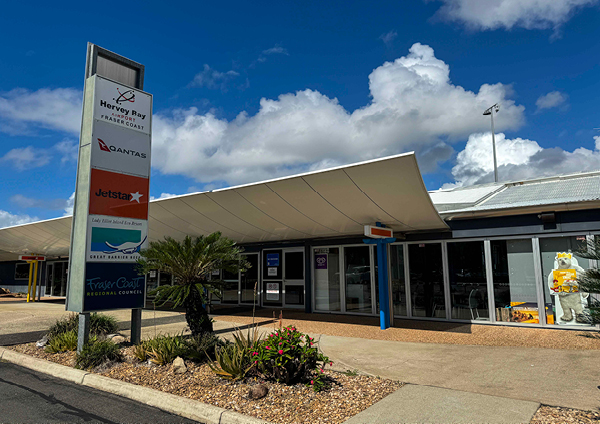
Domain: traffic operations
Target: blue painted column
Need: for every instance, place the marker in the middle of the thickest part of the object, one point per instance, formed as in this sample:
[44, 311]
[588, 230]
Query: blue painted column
[382, 279]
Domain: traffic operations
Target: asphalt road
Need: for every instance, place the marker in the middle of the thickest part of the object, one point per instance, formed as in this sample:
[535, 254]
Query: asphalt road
[30, 397]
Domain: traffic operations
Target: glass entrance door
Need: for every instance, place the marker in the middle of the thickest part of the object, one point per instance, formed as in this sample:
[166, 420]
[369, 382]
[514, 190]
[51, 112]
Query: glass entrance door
[426, 280]
[249, 280]
[49, 278]
[56, 282]
[283, 277]
[293, 278]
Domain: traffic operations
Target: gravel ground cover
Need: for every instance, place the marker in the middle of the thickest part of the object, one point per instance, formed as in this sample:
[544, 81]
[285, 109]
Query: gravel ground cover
[347, 396]
[552, 415]
[419, 331]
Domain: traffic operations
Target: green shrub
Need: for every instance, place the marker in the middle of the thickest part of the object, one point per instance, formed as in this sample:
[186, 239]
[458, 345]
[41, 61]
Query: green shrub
[234, 360]
[287, 356]
[100, 325]
[97, 353]
[140, 353]
[162, 350]
[64, 325]
[202, 347]
[62, 342]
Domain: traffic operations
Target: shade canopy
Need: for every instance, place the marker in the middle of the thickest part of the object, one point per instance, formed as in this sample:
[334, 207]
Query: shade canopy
[326, 203]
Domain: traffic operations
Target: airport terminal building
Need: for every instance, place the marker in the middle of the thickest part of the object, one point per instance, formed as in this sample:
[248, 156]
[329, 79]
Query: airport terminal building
[499, 253]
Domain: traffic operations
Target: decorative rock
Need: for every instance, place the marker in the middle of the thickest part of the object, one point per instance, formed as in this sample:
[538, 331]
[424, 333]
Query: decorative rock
[179, 366]
[42, 342]
[118, 339]
[258, 392]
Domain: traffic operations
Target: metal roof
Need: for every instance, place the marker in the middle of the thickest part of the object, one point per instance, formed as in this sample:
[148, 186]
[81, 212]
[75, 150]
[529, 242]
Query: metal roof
[564, 189]
[327, 203]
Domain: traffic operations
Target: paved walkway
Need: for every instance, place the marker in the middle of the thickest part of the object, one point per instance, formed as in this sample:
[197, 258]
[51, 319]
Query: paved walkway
[567, 378]
[425, 404]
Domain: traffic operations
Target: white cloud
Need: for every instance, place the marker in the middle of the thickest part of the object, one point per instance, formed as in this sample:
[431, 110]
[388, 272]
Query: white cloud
[276, 50]
[69, 205]
[213, 79]
[413, 106]
[507, 14]
[24, 158]
[7, 219]
[388, 37]
[27, 157]
[518, 159]
[68, 150]
[163, 196]
[29, 202]
[550, 100]
[56, 109]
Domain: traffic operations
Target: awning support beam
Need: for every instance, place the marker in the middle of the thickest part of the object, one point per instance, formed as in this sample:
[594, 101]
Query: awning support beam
[382, 279]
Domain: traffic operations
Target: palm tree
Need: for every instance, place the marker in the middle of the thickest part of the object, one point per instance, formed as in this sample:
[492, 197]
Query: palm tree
[191, 261]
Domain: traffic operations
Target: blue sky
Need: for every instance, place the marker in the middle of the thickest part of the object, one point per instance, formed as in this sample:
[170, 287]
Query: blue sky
[246, 91]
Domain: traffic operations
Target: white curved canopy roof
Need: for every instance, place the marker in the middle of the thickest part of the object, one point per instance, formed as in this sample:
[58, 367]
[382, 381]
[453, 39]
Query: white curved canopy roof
[327, 203]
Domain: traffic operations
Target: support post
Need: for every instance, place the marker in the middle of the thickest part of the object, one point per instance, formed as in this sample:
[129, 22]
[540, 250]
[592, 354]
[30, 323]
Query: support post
[382, 279]
[384, 300]
[136, 326]
[29, 285]
[35, 274]
[83, 332]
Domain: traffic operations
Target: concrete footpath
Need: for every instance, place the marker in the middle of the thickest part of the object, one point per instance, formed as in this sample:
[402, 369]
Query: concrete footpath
[566, 378]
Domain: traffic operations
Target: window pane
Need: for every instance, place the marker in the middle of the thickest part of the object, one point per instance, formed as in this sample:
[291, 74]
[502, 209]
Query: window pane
[294, 265]
[515, 290]
[561, 266]
[426, 280]
[327, 279]
[164, 279]
[468, 284]
[397, 279]
[294, 295]
[357, 264]
[248, 280]
[272, 265]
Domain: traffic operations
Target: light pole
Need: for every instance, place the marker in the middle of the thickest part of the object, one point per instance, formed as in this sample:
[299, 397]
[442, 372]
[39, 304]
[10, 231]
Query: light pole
[490, 111]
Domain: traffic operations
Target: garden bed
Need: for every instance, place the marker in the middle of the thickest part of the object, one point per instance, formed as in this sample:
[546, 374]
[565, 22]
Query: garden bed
[348, 395]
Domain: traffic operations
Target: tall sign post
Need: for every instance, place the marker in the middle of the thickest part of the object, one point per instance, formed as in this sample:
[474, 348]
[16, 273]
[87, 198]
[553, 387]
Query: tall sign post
[110, 214]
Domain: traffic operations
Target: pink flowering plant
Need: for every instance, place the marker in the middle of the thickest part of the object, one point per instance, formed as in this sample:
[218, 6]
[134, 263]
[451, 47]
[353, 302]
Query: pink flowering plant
[290, 357]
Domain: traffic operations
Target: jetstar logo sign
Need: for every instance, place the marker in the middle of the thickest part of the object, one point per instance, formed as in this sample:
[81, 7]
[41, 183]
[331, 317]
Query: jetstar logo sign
[106, 148]
[118, 195]
[126, 96]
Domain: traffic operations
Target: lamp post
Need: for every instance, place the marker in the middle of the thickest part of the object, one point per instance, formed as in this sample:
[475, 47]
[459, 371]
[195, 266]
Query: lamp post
[490, 111]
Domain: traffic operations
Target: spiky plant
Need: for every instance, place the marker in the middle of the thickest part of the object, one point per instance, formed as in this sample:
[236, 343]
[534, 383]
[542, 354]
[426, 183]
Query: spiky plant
[589, 281]
[191, 261]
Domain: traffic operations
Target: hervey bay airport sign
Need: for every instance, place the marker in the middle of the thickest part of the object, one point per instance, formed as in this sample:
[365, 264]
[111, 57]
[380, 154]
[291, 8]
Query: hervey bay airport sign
[117, 190]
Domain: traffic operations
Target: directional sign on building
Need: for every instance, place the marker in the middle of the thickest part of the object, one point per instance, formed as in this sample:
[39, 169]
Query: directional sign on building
[110, 215]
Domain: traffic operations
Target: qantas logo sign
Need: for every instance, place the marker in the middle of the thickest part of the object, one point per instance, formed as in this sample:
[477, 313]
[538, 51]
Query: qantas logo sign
[106, 148]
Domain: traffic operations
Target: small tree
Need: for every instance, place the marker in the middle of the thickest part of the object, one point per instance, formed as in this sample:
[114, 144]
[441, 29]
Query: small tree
[191, 261]
[589, 281]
